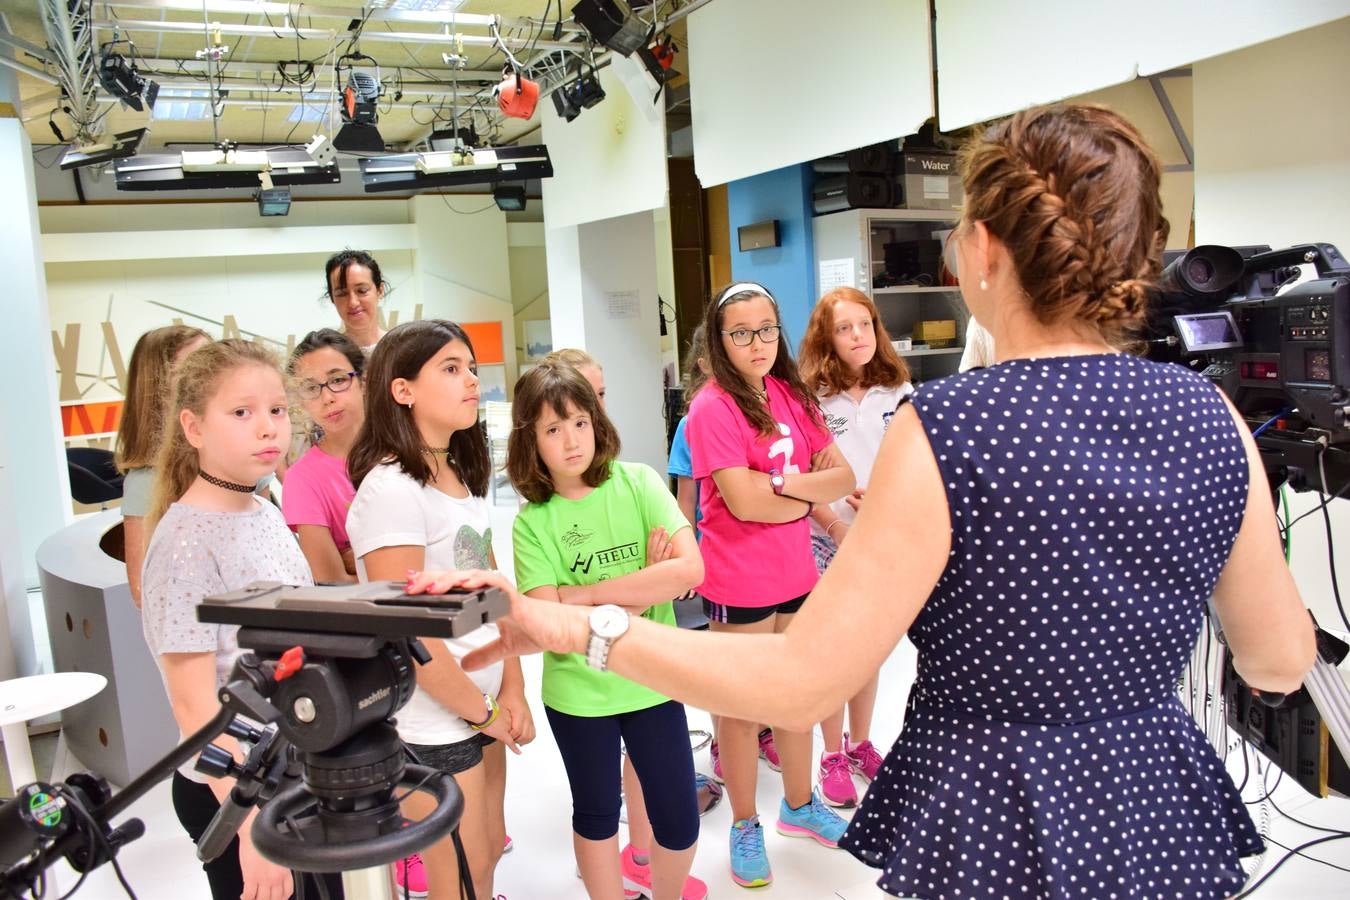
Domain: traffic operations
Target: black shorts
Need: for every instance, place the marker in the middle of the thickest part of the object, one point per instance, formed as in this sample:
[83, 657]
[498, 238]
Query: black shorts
[749, 615]
[461, 756]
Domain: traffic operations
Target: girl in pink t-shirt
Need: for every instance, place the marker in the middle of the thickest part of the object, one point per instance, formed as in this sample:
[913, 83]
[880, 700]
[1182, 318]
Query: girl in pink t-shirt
[326, 370]
[763, 458]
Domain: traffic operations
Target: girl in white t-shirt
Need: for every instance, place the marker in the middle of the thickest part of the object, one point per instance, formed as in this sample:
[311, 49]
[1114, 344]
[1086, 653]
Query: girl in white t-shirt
[848, 361]
[421, 469]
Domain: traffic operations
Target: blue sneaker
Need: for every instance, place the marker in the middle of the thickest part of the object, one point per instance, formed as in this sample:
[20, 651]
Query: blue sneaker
[814, 820]
[749, 862]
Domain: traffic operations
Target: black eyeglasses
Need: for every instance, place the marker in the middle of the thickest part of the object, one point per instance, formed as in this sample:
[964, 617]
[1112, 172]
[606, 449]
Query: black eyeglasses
[743, 337]
[337, 383]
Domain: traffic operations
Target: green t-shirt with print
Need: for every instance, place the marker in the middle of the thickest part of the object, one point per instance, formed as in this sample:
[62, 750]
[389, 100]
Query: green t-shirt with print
[599, 537]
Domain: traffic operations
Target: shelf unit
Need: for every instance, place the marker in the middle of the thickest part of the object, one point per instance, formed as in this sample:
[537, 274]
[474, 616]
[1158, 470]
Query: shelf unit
[860, 236]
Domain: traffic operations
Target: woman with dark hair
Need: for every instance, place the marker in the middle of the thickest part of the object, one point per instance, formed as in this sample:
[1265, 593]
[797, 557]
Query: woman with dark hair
[421, 468]
[354, 283]
[1047, 531]
[325, 372]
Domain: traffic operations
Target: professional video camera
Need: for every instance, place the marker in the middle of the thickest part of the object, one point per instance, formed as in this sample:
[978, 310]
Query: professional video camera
[312, 701]
[1284, 359]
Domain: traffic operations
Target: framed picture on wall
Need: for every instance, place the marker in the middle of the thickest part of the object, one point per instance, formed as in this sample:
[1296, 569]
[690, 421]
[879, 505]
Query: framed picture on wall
[491, 383]
[538, 338]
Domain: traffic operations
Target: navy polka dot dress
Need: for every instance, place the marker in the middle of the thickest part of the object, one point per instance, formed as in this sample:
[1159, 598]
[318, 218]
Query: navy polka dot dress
[1094, 501]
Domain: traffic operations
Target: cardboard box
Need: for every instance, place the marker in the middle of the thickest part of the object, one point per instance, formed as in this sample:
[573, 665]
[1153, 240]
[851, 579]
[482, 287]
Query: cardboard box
[937, 333]
[931, 181]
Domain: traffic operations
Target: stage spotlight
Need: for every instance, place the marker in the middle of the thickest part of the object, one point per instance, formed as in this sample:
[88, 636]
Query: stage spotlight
[612, 25]
[273, 201]
[516, 95]
[359, 107]
[586, 91]
[509, 197]
[121, 79]
[564, 105]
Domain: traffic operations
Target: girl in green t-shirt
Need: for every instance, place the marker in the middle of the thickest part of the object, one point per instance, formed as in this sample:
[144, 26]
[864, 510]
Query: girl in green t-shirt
[582, 538]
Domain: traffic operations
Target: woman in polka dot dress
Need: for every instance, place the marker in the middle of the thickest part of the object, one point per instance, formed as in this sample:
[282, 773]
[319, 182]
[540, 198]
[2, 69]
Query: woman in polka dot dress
[1095, 502]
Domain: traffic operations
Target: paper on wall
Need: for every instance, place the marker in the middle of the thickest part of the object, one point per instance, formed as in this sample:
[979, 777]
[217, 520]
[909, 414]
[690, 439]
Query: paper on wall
[622, 304]
[836, 273]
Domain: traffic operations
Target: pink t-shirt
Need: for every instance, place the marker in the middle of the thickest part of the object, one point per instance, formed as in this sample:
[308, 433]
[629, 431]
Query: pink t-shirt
[318, 491]
[751, 564]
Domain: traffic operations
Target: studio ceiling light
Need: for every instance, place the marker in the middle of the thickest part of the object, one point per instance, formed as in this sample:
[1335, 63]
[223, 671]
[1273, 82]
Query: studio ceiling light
[424, 171]
[612, 24]
[120, 78]
[359, 106]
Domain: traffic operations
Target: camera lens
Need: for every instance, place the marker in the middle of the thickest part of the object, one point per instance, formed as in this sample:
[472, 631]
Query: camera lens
[1200, 271]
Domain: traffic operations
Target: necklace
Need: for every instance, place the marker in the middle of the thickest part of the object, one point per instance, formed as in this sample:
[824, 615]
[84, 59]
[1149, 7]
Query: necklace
[439, 451]
[227, 485]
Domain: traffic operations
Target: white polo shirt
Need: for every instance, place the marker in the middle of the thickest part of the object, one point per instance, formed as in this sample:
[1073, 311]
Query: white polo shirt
[858, 428]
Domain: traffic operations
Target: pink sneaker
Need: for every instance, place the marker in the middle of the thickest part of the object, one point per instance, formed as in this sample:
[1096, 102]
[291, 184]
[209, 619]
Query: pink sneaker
[768, 751]
[716, 764]
[411, 875]
[862, 758]
[509, 845]
[836, 781]
[637, 879]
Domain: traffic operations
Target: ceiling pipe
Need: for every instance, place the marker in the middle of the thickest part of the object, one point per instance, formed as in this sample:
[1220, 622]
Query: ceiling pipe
[259, 7]
[287, 34]
[29, 70]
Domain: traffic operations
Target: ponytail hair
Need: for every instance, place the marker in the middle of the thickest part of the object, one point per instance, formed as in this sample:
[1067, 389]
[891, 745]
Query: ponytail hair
[176, 463]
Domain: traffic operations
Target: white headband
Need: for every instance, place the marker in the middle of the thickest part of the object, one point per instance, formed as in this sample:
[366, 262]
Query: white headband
[743, 287]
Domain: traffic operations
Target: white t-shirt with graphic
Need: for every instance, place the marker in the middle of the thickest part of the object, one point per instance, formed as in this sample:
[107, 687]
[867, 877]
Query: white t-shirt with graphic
[391, 510]
[858, 428]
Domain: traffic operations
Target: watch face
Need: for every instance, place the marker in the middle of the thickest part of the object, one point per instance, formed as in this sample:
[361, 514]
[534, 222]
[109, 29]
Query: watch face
[609, 621]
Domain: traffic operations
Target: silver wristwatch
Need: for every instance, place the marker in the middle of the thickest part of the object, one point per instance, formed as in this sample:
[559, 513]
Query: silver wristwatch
[608, 624]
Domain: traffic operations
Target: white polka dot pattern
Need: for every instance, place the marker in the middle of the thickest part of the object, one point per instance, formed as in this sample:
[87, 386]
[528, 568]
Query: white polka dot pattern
[1094, 501]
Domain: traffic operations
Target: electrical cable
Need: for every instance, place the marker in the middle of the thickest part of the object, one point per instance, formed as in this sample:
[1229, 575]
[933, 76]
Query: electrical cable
[1331, 547]
[1296, 851]
[1321, 506]
[1272, 420]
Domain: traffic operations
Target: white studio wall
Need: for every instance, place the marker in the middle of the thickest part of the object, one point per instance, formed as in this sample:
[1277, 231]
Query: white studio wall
[1255, 185]
[995, 59]
[815, 80]
[213, 265]
[611, 160]
[34, 483]
[602, 293]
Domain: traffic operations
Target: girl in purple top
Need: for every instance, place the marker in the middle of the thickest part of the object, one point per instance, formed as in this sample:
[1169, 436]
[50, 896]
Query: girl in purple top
[326, 369]
[762, 457]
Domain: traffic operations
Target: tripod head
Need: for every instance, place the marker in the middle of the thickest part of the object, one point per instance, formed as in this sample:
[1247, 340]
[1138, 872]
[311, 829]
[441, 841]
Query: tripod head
[312, 701]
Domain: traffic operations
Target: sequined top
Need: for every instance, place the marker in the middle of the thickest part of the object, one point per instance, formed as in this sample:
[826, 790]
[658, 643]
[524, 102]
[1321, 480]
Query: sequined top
[195, 553]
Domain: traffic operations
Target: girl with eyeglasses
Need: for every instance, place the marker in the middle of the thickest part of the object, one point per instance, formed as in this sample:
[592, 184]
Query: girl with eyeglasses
[326, 372]
[763, 459]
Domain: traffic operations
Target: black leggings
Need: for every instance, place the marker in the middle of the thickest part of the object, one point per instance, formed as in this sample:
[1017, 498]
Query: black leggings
[196, 806]
[658, 744]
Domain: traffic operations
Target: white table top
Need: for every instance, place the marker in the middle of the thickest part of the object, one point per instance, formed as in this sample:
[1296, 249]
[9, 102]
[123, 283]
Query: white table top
[22, 699]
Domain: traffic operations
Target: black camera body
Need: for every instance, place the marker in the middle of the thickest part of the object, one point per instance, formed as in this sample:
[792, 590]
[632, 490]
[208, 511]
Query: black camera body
[1283, 358]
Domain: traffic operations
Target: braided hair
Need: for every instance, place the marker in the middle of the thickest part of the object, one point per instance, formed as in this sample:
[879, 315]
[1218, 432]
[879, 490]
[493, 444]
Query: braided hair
[1072, 191]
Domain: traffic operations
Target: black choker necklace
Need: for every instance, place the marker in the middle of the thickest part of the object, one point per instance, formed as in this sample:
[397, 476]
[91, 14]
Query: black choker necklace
[227, 485]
